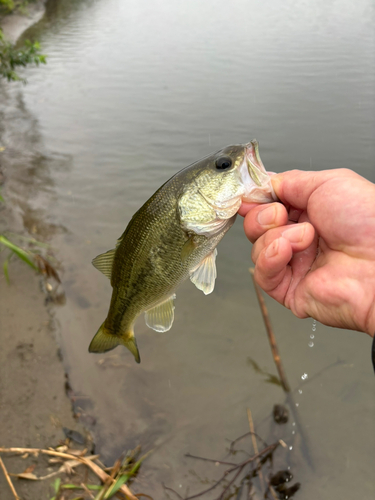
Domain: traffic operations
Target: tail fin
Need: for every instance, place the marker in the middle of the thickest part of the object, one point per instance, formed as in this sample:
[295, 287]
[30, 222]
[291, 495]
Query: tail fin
[105, 341]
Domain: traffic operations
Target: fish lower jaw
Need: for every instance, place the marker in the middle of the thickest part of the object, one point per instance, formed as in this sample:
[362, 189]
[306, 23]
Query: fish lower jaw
[259, 195]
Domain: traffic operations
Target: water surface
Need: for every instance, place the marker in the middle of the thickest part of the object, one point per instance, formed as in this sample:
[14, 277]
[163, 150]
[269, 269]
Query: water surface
[133, 92]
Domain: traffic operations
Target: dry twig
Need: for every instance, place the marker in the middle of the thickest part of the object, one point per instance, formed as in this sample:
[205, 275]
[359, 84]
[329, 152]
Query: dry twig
[238, 468]
[273, 493]
[255, 444]
[86, 490]
[271, 336]
[103, 476]
[9, 481]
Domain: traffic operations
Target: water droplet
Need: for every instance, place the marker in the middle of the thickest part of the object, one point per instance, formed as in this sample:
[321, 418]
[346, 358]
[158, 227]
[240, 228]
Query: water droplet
[304, 376]
[314, 325]
[300, 391]
[311, 344]
[293, 432]
[297, 404]
[290, 448]
[312, 336]
[293, 423]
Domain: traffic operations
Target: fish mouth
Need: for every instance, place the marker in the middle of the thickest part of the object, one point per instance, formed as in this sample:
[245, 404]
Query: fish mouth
[258, 187]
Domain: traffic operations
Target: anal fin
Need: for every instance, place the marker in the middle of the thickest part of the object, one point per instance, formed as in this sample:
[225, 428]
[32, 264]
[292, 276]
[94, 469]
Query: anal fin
[160, 318]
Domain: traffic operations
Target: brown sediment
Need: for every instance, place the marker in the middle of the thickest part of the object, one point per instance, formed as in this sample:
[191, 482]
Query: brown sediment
[33, 404]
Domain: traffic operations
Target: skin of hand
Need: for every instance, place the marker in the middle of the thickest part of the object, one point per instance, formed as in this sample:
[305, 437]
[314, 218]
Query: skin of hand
[315, 251]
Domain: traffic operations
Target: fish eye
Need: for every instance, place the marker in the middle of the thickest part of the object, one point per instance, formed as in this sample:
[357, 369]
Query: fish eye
[223, 163]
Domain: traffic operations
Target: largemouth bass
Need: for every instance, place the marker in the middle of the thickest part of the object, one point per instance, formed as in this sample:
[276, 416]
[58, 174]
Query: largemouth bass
[172, 237]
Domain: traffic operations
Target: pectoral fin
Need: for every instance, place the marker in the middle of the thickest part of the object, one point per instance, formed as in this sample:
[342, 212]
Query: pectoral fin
[160, 317]
[104, 262]
[205, 274]
[188, 249]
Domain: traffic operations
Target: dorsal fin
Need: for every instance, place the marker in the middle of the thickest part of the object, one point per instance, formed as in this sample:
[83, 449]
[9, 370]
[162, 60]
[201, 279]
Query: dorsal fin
[104, 262]
[118, 243]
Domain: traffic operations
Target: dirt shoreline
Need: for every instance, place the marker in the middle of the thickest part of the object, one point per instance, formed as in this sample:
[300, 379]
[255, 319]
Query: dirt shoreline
[33, 404]
[15, 24]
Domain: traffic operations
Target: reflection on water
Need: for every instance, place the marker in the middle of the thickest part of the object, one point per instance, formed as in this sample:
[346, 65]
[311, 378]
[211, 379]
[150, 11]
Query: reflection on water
[26, 167]
[134, 91]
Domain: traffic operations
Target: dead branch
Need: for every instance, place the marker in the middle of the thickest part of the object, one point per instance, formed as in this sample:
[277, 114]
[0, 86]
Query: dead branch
[255, 444]
[271, 336]
[9, 481]
[209, 460]
[103, 476]
[231, 447]
[236, 468]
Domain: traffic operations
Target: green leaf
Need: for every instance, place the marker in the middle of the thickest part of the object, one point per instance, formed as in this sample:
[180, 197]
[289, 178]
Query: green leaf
[28, 239]
[57, 484]
[125, 477]
[271, 379]
[100, 495]
[116, 486]
[77, 487]
[22, 254]
[6, 269]
[12, 57]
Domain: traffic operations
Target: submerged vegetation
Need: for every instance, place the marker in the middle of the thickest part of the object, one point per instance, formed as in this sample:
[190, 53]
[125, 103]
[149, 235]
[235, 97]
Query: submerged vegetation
[33, 256]
[250, 478]
[15, 250]
[32, 252]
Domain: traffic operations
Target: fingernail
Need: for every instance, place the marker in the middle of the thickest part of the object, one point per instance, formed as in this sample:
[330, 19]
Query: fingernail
[295, 233]
[267, 216]
[272, 249]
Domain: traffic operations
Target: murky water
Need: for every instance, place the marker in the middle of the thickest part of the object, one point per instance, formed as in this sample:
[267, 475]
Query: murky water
[136, 90]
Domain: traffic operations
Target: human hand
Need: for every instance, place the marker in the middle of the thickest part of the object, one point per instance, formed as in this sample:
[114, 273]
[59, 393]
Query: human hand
[315, 254]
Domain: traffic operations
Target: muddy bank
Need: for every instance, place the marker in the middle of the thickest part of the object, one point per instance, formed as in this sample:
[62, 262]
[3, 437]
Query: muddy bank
[15, 24]
[33, 404]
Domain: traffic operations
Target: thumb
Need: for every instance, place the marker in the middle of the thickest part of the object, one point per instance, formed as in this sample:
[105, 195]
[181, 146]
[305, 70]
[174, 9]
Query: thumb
[295, 187]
